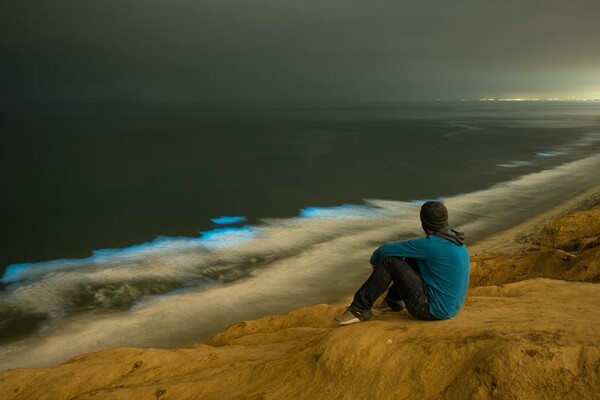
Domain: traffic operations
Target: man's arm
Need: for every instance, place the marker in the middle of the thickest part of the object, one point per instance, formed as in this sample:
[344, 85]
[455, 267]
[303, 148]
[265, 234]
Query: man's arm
[417, 249]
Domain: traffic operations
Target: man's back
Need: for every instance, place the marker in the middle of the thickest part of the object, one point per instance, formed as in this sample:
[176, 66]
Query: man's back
[446, 276]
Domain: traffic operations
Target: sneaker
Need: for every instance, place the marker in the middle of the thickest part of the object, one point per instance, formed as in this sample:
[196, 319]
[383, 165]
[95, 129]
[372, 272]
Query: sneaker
[384, 306]
[348, 318]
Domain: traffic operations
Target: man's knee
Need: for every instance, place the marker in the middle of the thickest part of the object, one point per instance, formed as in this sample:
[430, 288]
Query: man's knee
[391, 262]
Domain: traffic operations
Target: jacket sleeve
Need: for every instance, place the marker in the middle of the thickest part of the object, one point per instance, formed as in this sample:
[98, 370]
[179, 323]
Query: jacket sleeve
[418, 249]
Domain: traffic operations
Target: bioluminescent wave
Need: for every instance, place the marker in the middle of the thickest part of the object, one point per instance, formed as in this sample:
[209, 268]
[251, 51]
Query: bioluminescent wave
[175, 291]
[228, 220]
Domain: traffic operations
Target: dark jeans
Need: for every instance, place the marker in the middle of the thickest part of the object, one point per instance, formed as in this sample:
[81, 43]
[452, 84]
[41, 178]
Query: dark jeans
[407, 286]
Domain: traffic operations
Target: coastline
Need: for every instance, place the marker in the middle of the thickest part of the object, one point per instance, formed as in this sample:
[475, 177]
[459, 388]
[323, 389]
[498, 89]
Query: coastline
[517, 322]
[239, 273]
[518, 236]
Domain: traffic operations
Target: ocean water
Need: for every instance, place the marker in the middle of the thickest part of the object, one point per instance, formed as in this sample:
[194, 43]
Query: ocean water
[158, 225]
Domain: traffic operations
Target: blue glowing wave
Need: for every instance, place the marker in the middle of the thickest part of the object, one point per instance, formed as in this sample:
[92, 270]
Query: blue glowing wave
[228, 220]
[161, 246]
[227, 237]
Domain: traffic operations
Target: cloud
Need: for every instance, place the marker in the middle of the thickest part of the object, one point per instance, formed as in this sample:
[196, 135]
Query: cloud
[278, 50]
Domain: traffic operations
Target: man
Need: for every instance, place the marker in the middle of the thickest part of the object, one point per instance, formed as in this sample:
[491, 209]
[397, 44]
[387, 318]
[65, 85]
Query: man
[430, 275]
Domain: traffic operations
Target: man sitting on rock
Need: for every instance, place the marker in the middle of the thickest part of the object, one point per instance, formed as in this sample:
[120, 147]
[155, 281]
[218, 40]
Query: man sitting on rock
[429, 275]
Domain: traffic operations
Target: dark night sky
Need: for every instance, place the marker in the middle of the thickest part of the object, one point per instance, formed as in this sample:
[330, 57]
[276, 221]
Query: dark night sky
[278, 50]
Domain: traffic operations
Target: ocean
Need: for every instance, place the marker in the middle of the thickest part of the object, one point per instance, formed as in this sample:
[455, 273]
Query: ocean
[157, 225]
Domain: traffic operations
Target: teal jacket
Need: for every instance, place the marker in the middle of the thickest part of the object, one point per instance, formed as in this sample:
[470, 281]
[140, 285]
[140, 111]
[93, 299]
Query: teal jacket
[444, 267]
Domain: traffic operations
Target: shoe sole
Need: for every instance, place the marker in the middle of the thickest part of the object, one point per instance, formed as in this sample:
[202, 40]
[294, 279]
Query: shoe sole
[348, 322]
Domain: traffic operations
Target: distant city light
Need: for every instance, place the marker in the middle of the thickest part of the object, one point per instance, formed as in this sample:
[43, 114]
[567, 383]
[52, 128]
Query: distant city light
[541, 99]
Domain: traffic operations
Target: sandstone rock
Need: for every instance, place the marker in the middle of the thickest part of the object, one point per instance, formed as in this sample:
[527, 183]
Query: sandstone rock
[574, 232]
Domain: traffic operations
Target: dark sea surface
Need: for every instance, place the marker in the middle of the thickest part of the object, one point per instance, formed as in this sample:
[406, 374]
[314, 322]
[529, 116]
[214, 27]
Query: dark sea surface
[111, 211]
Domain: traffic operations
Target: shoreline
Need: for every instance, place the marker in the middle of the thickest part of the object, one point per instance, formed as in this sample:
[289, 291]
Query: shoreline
[76, 336]
[511, 339]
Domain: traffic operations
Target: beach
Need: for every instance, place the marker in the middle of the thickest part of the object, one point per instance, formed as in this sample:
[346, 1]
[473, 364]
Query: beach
[528, 330]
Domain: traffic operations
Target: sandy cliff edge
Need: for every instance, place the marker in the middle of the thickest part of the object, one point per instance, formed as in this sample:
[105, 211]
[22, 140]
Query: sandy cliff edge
[521, 335]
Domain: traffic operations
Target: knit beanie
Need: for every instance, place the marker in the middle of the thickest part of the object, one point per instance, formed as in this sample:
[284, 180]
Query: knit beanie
[434, 215]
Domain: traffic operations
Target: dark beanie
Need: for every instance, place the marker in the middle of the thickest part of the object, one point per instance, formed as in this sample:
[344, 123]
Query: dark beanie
[434, 215]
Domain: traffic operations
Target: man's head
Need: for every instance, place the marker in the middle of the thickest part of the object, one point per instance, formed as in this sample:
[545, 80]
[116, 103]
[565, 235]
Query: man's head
[434, 216]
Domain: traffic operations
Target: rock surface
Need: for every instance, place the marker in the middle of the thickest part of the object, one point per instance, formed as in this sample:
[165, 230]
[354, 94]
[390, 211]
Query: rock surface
[567, 249]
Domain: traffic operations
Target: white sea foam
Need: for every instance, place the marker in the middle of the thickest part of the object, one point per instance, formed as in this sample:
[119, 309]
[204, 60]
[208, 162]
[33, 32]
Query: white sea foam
[282, 263]
[515, 164]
